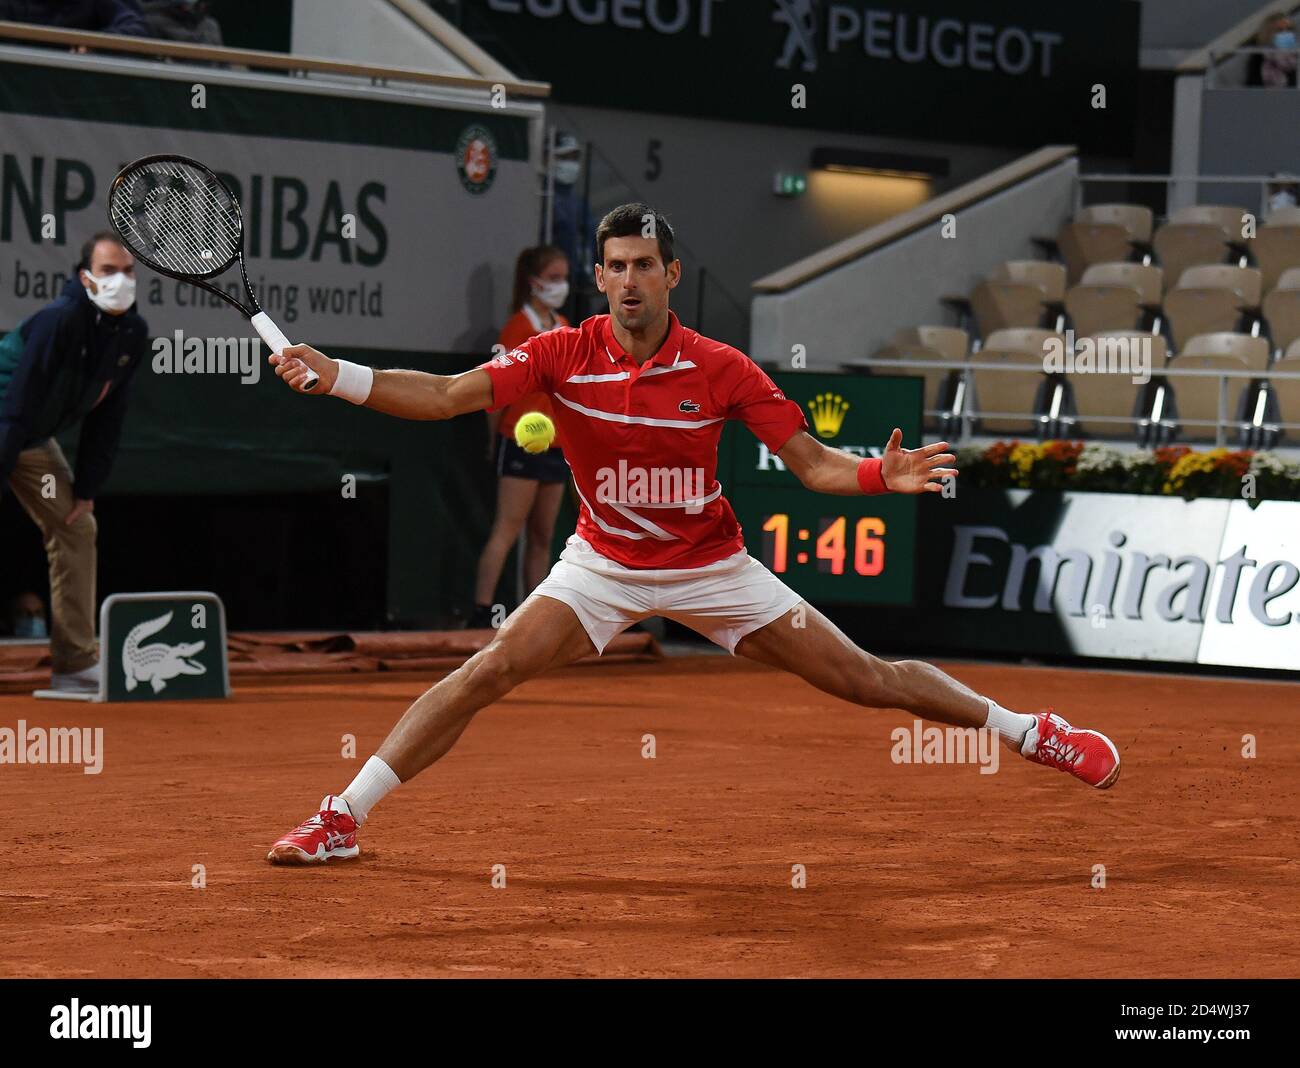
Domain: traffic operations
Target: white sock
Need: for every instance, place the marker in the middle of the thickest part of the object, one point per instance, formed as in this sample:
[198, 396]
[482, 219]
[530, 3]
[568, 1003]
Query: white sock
[1012, 726]
[372, 783]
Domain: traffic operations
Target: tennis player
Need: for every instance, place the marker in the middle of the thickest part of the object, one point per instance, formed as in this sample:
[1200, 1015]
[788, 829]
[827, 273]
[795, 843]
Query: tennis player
[636, 392]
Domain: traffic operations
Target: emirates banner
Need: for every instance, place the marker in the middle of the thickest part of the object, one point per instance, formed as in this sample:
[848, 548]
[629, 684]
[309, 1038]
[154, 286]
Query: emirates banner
[1113, 575]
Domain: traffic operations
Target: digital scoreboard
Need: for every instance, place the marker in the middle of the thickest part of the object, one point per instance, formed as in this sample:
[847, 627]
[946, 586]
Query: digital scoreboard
[832, 550]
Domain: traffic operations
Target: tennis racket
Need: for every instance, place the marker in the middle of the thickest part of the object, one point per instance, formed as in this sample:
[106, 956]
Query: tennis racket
[179, 219]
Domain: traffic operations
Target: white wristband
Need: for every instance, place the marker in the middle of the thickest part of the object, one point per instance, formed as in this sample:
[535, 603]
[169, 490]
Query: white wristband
[354, 382]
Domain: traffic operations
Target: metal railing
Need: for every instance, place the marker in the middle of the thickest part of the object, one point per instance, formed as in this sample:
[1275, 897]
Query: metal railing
[964, 415]
[150, 48]
[925, 214]
[1168, 180]
[1216, 57]
[1237, 35]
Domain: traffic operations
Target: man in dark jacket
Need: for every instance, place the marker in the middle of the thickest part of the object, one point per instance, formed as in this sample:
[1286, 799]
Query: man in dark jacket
[106, 16]
[71, 362]
[186, 21]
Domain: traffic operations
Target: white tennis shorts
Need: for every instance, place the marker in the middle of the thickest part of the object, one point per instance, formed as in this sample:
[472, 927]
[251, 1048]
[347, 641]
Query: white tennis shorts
[724, 600]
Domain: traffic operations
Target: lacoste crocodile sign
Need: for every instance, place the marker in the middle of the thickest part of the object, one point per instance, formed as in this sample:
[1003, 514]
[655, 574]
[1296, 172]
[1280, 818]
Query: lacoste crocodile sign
[163, 647]
[157, 663]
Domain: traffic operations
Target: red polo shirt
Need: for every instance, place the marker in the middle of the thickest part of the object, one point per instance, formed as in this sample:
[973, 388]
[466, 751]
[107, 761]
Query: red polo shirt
[519, 328]
[642, 441]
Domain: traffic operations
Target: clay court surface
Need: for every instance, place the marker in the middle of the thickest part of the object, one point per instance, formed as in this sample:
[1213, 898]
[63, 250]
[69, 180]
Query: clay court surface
[678, 866]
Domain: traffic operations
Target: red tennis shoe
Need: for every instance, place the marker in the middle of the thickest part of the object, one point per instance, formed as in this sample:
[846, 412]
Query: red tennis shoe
[1086, 755]
[331, 833]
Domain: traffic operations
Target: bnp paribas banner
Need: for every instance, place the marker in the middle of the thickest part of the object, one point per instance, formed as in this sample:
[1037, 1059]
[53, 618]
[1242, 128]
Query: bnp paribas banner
[376, 219]
[1114, 575]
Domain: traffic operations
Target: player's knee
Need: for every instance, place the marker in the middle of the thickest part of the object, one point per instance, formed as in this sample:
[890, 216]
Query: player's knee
[496, 670]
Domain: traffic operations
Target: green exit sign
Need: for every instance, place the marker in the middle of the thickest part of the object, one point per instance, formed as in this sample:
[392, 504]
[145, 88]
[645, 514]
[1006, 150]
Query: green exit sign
[788, 184]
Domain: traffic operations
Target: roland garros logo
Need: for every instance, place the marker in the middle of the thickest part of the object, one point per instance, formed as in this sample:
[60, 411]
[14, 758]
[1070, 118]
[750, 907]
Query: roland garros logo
[476, 159]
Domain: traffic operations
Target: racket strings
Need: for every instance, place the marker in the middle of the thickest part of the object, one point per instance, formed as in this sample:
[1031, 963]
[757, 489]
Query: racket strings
[181, 222]
[181, 231]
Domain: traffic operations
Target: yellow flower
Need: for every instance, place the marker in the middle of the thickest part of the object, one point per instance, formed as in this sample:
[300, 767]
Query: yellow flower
[1023, 457]
[1192, 464]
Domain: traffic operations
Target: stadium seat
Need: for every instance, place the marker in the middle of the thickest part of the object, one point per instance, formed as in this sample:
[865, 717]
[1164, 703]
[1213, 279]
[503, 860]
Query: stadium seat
[1290, 279]
[1148, 278]
[1112, 296]
[1159, 346]
[1102, 395]
[1010, 392]
[1232, 219]
[1050, 277]
[1083, 244]
[1253, 352]
[1286, 391]
[1276, 249]
[1282, 310]
[1136, 219]
[944, 342]
[1198, 398]
[1000, 303]
[1182, 245]
[1112, 394]
[1210, 298]
[930, 343]
[1244, 281]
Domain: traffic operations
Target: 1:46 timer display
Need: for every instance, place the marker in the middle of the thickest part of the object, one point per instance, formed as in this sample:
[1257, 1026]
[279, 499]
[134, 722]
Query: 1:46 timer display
[834, 547]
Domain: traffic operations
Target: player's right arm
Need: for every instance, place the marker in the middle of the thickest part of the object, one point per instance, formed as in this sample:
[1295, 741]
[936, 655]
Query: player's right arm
[417, 394]
[405, 394]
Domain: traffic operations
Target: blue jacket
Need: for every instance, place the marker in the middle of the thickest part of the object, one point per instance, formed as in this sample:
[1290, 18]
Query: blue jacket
[53, 372]
[106, 16]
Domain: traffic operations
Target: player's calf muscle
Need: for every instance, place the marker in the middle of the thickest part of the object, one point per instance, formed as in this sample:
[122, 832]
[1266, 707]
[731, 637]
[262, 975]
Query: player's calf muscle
[926, 690]
[540, 635]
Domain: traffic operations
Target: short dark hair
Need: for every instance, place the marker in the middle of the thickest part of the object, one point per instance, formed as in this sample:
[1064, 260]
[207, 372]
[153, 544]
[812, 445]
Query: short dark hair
[631, 220]
[88, 249]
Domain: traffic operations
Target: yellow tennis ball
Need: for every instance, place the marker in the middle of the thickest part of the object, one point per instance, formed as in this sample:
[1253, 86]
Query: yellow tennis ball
[534, 432]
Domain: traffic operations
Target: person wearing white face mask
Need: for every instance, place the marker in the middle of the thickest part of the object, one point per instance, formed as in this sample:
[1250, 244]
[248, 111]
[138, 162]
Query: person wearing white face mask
[571, 223]
[529, 487]
[71, 362]
[27, 617]
[1281, 193]
[1274, 69]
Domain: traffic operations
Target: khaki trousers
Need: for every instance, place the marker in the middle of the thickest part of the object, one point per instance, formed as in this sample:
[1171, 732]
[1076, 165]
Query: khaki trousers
[42, 482]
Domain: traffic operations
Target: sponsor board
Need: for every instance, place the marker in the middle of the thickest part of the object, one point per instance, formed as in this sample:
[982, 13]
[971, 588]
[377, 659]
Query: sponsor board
[355, 209]
[163, 647]
[1254, 618]
[830, 549]
[868, 67]
[1114, 575]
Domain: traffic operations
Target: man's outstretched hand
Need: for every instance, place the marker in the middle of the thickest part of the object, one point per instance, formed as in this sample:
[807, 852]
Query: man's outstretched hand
[293, 364]
[915, 470]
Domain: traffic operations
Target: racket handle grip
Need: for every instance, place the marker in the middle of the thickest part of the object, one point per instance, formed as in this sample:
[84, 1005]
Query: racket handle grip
[277, 343]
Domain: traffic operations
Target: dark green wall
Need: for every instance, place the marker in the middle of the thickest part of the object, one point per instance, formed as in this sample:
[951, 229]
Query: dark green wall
[209, 436]
[265, 25]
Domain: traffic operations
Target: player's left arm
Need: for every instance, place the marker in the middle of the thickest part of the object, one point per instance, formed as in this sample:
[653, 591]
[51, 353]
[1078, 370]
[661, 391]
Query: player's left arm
[900, 470]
